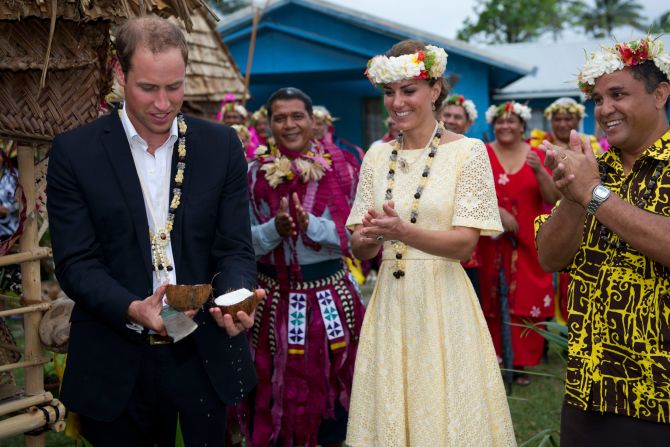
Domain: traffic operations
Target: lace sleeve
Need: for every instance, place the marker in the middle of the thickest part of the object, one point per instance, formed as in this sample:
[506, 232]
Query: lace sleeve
[364, 193]
[476, 202]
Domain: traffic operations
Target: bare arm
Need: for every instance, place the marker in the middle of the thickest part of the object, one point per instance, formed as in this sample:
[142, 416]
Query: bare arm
[550, 194]
[559, 237]
[646, 232]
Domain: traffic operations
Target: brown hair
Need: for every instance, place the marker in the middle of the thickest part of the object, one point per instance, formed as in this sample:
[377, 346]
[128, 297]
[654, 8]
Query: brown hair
[155, 33]
[411, 46]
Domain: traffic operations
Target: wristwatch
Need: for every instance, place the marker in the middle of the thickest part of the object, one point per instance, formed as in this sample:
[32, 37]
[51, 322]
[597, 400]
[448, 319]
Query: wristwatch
[598, 196]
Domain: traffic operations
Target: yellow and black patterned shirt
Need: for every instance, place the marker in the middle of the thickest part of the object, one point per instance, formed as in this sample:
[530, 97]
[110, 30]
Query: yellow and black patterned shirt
[619, 303]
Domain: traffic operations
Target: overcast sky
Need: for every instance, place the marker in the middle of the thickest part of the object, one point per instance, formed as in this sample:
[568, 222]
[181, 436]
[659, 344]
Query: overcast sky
[448, 15]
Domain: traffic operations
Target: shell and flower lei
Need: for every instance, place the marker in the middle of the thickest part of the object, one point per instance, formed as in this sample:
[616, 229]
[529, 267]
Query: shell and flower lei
[621, 55]
[279, 168]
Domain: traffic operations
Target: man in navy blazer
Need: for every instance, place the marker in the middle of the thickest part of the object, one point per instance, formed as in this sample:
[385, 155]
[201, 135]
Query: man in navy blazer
[136, 199]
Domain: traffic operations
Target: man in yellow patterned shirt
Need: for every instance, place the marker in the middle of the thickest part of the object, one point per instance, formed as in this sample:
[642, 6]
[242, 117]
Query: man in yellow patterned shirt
[612, 233]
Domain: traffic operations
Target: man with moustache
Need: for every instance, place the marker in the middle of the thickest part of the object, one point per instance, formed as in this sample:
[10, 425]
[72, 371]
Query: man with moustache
[306, 331]
[611, 231]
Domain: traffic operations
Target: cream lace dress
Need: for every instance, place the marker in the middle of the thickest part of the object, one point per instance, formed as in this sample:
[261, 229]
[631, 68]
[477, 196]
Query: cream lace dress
[426, 373]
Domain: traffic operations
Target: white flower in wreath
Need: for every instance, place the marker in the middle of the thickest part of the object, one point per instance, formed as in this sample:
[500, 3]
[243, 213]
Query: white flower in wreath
[547, 301]
[277, 171]
[309, 170]
[535, 312]
[503, 179]
[601, 63]
[440, 63]
[523, 111]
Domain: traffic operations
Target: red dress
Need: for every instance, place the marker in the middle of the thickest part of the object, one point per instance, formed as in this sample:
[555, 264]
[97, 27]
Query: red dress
[530, 289]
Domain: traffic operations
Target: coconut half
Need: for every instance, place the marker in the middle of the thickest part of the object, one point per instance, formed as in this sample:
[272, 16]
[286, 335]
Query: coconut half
[185, 297]
[238, 300]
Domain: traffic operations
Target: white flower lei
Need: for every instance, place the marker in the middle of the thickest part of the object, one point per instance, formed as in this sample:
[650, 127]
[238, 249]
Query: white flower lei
[508, 107]
[424, 64]
[611, 59]
[467, 104]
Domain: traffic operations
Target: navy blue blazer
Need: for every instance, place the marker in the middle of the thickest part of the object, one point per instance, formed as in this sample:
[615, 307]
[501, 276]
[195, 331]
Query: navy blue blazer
[101, 248]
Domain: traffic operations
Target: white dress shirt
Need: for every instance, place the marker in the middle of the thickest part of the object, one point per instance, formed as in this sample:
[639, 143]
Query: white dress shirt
[154, 172]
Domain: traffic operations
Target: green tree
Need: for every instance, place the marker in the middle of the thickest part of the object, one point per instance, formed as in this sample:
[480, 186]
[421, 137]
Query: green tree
[229, 6]
[600, 19]
[661, 24]
[512, 21]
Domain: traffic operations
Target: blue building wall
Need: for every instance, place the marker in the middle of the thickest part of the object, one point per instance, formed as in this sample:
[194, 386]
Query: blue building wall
[325, 55]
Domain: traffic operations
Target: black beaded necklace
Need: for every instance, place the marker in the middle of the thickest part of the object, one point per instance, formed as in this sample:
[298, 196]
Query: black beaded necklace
[612, 239]
[399, 248]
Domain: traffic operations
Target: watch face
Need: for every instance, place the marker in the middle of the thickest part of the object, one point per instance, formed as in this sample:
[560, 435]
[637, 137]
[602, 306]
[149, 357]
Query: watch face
[600, 192]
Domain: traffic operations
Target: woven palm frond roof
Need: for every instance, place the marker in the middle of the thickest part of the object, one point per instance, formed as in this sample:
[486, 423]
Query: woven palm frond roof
[115, 10]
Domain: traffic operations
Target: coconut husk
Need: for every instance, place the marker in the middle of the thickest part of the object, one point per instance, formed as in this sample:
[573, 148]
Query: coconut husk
[247, 306]
[187, 297]
[55, 325]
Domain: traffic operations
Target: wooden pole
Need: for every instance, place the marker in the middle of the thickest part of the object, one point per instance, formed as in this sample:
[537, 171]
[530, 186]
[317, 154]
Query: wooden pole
[32, 290]
[34, 254]
[20, 404]
[250, 55]
[50, 415]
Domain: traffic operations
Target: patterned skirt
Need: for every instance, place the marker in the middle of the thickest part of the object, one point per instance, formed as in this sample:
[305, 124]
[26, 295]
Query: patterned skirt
[304, 344]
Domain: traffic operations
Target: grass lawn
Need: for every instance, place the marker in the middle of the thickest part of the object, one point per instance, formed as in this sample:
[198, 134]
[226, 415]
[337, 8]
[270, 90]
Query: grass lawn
[535, 408]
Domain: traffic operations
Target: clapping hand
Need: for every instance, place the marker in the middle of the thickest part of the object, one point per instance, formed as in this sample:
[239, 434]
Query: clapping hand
[302, 215]
[534, 162]
[283, 220]
[384, 226]
[575, 170]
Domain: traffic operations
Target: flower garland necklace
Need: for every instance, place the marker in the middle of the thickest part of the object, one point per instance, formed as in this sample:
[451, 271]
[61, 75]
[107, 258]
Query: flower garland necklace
[400, 248]
[279, 168]
[160, 239]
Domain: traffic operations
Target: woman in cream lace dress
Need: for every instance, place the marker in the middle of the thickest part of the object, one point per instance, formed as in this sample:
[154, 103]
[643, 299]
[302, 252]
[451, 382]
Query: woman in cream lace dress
[426, 373]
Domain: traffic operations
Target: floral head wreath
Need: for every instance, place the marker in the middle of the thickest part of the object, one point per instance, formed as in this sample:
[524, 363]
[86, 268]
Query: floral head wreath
[262, 112]
[468, 105]
[429, 63]
[322, 114]
[565, 105]
[507, 108]
[234, 107]
[621, 55]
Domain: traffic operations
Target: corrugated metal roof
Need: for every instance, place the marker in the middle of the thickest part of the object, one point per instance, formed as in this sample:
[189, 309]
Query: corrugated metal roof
[557, 66]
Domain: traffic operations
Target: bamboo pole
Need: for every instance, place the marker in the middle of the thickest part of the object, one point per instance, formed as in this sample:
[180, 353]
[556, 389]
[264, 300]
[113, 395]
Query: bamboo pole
[26, 363]
[50, 414]
[252, 46]
[32, 290]
[32, 254]
[250, 54]
[42, 307]
[25, 402]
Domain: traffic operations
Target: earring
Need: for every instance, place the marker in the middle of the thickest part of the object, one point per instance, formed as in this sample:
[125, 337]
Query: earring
[433, 106]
